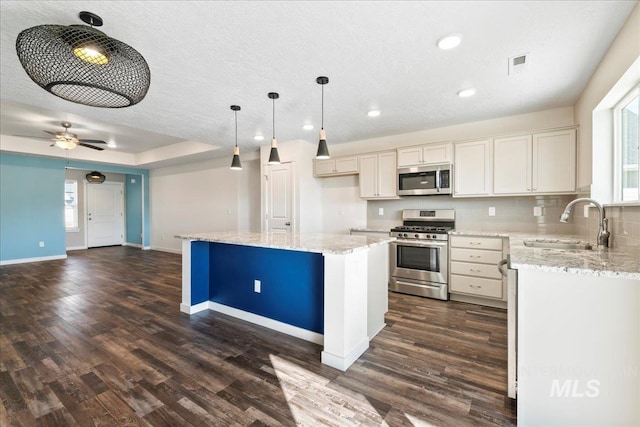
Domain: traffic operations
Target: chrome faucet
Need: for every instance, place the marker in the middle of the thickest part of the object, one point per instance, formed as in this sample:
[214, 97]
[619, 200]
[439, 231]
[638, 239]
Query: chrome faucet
[603, 234]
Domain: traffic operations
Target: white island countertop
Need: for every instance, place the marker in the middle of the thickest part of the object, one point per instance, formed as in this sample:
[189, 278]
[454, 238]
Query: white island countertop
[608, 262]
[320, 243]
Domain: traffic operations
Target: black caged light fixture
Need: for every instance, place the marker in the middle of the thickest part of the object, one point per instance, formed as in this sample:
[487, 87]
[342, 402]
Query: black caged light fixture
[83, 65]
[323, 150]
[274, 157]
[235, 162]
[95, 177]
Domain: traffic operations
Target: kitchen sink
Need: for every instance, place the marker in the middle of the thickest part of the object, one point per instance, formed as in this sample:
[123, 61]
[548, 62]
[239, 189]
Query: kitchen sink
[558, 244]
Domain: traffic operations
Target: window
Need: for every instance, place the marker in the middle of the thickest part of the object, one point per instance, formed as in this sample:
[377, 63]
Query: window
[71, 205]
[625, 116]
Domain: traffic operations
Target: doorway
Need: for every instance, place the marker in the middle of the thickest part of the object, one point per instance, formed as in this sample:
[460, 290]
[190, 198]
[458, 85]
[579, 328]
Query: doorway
[105, 214]
[279, 198]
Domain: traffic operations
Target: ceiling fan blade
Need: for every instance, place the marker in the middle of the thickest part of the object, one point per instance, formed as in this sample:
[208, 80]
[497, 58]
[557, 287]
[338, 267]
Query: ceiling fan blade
[91, 146]
[92, 141]
[49, 132]
[32, 137]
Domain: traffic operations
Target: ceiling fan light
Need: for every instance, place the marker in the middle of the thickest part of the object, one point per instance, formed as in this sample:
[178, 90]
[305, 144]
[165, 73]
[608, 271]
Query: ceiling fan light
[95, 177]
[66, 143]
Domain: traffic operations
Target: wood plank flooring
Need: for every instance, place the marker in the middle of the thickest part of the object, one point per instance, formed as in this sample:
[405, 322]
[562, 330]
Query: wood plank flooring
[98, 339]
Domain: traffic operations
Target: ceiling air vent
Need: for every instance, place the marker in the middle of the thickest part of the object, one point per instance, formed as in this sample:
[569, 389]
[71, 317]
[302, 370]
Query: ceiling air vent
[518, 63]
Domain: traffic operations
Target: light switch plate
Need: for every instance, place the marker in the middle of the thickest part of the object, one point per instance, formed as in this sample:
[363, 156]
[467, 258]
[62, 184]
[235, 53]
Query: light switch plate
[380, 211]
[586, 211]
[257, 286]
[492, 211]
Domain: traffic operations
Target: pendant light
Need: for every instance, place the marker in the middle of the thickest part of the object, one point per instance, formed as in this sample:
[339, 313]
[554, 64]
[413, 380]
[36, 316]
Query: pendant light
[274, 157]
[83, 65]
[323, 150]
[235, 162]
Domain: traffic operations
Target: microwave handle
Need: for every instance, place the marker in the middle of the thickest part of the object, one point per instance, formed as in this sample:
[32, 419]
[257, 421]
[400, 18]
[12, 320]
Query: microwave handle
[438, 180]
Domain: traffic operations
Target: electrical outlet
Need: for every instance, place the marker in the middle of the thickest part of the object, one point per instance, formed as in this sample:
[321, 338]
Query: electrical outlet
[133, 180]
[586, 211]
[41, 244]
[228, 211]
[492, 211]
[537, 211]
[257, 286]
[380, 211]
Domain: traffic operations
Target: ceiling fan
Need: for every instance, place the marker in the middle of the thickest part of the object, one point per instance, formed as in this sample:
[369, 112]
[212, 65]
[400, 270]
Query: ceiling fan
[68, 140]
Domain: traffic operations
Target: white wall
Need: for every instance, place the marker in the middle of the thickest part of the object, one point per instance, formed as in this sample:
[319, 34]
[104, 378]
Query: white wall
[342, 206]
[201, 197]
[621, 54]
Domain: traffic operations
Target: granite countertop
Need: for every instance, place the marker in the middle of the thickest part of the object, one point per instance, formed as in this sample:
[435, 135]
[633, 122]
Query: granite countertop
[608, 262]
[321, 243]
[371, 229]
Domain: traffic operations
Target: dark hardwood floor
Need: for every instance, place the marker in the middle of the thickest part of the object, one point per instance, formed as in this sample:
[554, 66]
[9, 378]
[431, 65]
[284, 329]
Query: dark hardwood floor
[98, 339]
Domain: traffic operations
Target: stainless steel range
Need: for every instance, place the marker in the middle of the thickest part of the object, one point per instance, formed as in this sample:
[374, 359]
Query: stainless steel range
[419, 256]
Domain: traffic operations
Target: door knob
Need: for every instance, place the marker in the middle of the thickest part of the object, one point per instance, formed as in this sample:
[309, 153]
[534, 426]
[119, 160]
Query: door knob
[287, 223]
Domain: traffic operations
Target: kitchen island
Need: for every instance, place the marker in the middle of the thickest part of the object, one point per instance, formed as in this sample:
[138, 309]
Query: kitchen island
[324, 288]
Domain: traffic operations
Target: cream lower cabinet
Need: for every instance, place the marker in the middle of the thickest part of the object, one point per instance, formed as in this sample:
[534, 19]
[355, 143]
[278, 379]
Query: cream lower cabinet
[473, 270]
[540, 163]
[378, 176]
[472, 169]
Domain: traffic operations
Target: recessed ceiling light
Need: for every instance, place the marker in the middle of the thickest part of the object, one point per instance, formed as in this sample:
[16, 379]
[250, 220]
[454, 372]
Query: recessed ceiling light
[449, 41]
[258, 137]
[465, 93]
[307, 127]
[373, 113]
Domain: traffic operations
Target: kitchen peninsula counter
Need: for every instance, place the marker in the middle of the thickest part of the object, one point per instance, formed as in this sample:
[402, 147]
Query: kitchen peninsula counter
[330, 289]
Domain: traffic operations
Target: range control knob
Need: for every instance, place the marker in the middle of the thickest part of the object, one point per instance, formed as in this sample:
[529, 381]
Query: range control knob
[417, 236]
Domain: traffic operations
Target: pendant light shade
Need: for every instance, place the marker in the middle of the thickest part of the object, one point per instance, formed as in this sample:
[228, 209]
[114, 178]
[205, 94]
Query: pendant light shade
[83, 65]
[235, 162]
[323, 150]
[274, 157]
[95, 177]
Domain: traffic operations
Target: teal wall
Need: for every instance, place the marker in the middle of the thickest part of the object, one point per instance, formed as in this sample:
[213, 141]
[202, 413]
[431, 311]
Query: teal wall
[32, 204]
[31, 207]
[133, 202]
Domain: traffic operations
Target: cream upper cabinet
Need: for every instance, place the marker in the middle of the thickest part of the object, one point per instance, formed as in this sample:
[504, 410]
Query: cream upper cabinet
[336, 166]
[378, 176]
[512, 165]
[472, 169]
[424, 155]
[540, 163]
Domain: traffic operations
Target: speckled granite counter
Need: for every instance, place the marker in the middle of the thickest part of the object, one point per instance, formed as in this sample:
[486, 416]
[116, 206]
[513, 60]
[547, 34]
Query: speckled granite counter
[320, 243]
[610, 262]
[371, 229]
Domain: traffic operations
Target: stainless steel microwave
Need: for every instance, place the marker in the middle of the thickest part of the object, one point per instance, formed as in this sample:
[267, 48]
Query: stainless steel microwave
[425, 180]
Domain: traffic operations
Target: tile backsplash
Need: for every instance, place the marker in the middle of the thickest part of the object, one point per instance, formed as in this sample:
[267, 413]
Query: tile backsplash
[512, 213]
[624, 225]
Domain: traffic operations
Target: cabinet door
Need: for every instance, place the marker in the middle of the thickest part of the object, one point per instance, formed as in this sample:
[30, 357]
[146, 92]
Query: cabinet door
[472, 169]
[387, 175]
[512, 165]
[325, 167]
[346, 164]
[368, 176]
[436, 153]
[554, 161]
[410, 156]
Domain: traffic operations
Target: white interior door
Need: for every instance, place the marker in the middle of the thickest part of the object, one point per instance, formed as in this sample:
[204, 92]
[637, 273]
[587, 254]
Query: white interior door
[279, 198]
[105, 214]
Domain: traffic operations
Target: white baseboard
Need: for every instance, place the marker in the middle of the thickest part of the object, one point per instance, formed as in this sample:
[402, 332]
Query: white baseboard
[343, 363]
[377, 331]
[77, 248]
[158, 248]
[38, 259]
[192, 309]
[285, 328]
[146, 248]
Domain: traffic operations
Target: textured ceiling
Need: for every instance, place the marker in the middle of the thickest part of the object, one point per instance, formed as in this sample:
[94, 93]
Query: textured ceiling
[205, 56]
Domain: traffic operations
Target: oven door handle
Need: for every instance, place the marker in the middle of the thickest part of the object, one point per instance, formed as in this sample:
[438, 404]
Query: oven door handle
[424, 285]
[431, 244]
[438, 180]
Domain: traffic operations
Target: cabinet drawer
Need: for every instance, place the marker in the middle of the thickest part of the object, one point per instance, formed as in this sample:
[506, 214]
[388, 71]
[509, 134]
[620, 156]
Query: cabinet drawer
[476, 255]
[476, 242]
[476, 286]
[481, 270]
